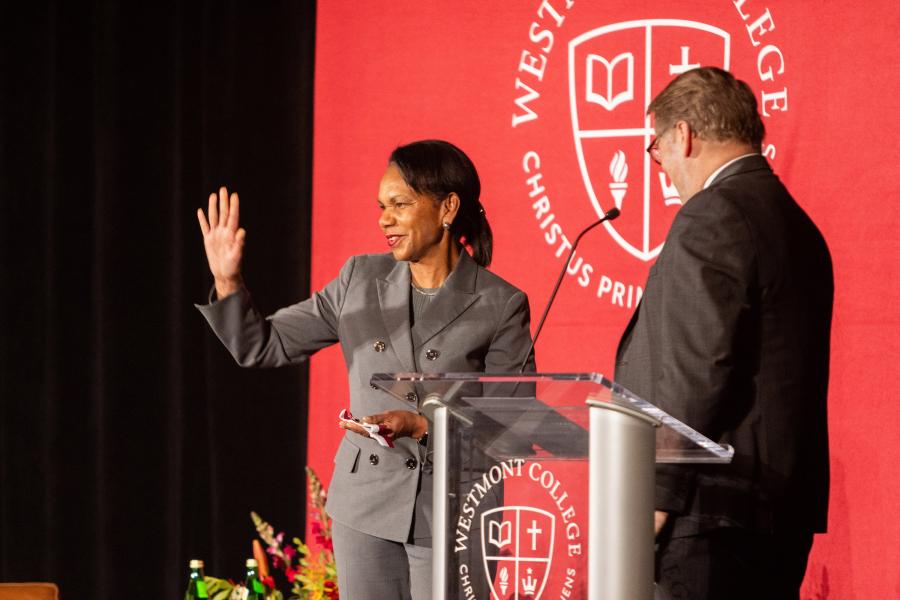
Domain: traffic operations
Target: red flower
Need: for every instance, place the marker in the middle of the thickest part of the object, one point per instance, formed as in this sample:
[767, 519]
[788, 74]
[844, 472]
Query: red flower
[290, 552]
[290, 572]
[269, 582]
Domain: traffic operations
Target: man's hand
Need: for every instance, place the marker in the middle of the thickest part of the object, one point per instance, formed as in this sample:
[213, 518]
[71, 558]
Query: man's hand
[659, 518]
[223, 240]
[394, 423]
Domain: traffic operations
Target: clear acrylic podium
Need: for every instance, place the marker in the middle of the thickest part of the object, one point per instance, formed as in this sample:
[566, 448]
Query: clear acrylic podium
[544, 483]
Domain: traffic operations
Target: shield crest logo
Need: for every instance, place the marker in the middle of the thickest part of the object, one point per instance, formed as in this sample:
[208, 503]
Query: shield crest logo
[614, 73]
[517, 546]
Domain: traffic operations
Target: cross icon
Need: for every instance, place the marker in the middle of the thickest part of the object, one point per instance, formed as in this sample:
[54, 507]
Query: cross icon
[534, 531]
[685, 63]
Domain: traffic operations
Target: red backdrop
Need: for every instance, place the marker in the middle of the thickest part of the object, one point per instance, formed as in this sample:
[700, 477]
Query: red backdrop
[495, 78]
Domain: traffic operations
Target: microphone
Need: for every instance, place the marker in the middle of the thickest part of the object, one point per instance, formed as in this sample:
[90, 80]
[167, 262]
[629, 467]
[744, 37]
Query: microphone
[608, 216]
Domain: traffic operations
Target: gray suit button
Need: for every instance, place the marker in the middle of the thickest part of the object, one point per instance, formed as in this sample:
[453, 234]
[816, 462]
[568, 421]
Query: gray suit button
[411, 464]
[379, 346]
[412, 397]
[432, 354]
[373, 459]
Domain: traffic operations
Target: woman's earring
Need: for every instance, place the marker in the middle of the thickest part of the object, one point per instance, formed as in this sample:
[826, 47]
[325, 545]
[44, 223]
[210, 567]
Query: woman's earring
[446, 226]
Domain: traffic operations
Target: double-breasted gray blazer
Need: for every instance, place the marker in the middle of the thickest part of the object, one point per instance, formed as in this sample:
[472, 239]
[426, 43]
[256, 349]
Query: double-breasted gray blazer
[476, 322]
[732, 337]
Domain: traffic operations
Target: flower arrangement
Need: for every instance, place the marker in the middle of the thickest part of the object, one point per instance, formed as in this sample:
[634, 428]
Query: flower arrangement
[313, 574]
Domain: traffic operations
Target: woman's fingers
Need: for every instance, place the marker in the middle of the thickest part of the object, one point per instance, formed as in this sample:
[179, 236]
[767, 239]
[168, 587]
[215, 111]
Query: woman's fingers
[393, 423]
[233, 212]
[223, 206]
[400, 423]
[204, 225]
[380, 417]
[213, 211]
[353, 427]
[223, 211]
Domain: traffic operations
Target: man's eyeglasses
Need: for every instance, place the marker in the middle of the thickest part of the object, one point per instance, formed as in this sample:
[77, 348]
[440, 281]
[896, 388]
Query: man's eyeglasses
[653, 151]
[653, 148]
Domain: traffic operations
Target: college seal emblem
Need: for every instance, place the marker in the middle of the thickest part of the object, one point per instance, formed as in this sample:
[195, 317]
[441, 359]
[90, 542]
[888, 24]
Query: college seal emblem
[613, 72]
[519, 548]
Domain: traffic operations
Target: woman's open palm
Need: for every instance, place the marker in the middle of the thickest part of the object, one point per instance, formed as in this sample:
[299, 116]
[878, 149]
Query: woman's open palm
[223, 240]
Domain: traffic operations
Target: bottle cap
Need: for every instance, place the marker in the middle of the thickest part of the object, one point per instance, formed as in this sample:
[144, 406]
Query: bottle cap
[196, 564]
[251, 562]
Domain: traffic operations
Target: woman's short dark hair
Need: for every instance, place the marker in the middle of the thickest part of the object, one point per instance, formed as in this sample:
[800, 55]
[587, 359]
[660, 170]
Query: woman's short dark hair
[437, 168]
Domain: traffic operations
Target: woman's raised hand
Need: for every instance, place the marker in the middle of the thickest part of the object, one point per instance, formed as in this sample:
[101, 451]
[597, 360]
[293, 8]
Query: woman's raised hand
[223, 240]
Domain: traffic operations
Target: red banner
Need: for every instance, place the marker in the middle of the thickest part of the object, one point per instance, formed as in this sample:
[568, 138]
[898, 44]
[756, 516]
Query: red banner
[548, 98]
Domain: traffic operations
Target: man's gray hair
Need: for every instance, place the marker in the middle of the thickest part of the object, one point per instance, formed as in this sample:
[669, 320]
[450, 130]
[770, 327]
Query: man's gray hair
[714, 103]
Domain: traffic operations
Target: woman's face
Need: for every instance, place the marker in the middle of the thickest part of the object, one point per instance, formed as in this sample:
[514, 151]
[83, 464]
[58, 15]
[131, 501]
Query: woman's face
[411, 222]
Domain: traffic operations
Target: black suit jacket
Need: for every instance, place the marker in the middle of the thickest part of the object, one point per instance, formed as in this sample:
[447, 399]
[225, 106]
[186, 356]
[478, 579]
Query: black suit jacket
[732, 338]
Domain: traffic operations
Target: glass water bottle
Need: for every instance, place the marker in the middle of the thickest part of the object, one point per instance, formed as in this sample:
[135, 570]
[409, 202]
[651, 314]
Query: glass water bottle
[255, 588]
[196, 588]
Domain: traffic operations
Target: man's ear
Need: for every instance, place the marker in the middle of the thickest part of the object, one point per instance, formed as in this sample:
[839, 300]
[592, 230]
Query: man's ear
[684, 137]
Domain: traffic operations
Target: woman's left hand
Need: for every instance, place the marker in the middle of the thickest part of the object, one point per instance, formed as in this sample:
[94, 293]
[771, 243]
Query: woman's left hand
[394, 423]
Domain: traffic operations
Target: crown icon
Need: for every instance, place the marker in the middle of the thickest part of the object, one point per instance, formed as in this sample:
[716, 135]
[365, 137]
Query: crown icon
[529, 584]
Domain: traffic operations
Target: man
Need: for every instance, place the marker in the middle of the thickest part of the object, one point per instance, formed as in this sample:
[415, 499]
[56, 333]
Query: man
[732, 338]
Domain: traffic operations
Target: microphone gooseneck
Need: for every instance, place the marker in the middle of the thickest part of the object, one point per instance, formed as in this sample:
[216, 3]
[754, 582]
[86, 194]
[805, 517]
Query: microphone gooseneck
[608, 216]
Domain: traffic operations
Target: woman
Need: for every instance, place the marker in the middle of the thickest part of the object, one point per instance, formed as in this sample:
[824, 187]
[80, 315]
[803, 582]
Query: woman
[428, 306]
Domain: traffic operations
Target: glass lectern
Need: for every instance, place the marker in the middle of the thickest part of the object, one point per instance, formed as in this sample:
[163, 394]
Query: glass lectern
[543, 483]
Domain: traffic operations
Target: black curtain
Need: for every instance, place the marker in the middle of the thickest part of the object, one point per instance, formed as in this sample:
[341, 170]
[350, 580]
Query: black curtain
[130, 440]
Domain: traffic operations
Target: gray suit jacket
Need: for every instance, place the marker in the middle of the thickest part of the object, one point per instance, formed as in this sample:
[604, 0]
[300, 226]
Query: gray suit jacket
[476, 322]
[732, 337]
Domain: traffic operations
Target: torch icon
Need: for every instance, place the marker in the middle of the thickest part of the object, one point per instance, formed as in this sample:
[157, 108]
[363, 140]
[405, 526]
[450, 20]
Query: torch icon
[618, 169]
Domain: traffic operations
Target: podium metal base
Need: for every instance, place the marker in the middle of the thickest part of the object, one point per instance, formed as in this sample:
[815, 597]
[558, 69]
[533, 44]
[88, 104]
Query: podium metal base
[620, 540]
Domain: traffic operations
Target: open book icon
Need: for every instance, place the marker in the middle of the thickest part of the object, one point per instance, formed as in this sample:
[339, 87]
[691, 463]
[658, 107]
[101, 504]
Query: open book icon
[500, 534]
[607, 73]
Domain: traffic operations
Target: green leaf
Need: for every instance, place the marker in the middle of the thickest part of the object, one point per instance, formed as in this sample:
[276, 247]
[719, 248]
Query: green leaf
[218, 589]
